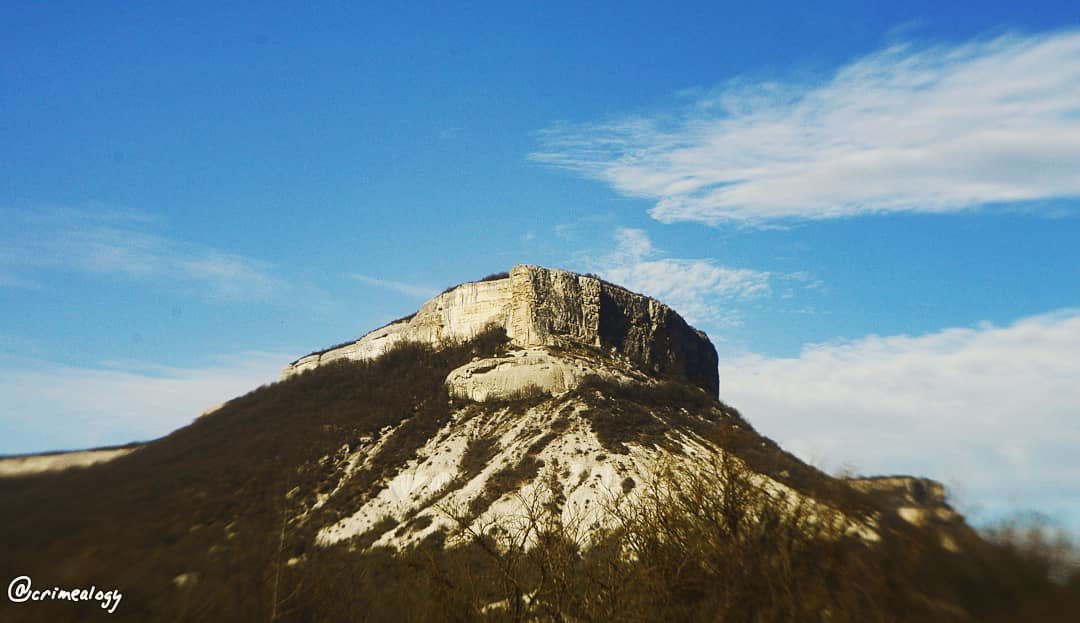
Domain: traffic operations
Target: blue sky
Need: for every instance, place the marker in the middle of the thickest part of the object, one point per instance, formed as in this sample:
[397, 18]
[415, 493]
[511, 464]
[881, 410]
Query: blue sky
[872, 208]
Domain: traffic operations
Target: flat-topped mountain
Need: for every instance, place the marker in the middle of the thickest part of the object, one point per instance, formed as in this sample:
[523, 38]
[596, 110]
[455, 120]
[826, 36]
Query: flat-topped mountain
[539, 306]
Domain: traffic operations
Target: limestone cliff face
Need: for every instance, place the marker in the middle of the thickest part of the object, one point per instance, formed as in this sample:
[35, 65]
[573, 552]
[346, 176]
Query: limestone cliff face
[554, 307]
[459, 313]
[546, 307]
[653, 335]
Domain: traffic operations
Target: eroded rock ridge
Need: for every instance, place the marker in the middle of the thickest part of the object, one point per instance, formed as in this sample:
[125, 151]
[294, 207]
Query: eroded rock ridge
[548, 307]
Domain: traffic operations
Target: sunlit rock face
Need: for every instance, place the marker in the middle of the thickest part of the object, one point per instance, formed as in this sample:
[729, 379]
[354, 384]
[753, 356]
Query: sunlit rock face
[921, 502]
[553, 307]
[520, 373]
[548, 307]
[903, 490]
[459, 313]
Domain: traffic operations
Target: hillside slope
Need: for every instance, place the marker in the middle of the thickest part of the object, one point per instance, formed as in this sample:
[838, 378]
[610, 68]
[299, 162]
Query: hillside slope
[477, 477]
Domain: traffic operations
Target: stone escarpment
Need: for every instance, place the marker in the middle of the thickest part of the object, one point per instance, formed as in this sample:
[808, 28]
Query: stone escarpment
[917, 500]
[543, 307]
[459, 313]
[921, 502]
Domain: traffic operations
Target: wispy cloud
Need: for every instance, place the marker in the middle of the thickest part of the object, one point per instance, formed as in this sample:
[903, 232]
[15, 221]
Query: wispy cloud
[77, 407]
[408, 289]
[114, 243]
[697, 288]
[447, 134]
[909, 128]
[991, 409]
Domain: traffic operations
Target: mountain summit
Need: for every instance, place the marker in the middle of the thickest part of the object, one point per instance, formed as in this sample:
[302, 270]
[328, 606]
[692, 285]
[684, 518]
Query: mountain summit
[539, 307]
[599, 385]
[537, 445]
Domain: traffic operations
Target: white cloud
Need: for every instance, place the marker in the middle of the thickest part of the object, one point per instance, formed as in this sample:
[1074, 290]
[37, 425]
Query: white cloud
[909, 128]
[631, 245]
[699, 289]
[110, 243]
[695, 288]
[408, 289]
[992, 410]
[47, 406]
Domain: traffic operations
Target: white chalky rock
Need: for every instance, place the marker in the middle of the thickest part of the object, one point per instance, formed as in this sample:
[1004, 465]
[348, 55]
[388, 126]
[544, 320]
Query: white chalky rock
[539, 306]
[522, 371]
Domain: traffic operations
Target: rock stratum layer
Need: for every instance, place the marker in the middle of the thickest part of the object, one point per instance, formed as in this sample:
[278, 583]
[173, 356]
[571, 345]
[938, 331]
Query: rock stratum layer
[547, 307]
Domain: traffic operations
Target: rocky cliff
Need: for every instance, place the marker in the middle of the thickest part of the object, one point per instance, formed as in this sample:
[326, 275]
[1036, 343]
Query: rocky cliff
[547, 307]
[919, 501]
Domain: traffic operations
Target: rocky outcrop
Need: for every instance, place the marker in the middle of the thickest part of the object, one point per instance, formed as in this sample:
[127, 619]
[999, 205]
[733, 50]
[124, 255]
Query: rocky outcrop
[546, 307]
[918, 501]
[523, 372]
[902, 490]
[653, 335]
[459, 313]
[554, 307]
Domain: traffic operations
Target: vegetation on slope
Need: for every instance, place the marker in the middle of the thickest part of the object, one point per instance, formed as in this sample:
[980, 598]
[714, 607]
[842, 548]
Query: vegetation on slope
[210, 499]
[195, 526]
[323, 351]
[645, 413]
[687, 550]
